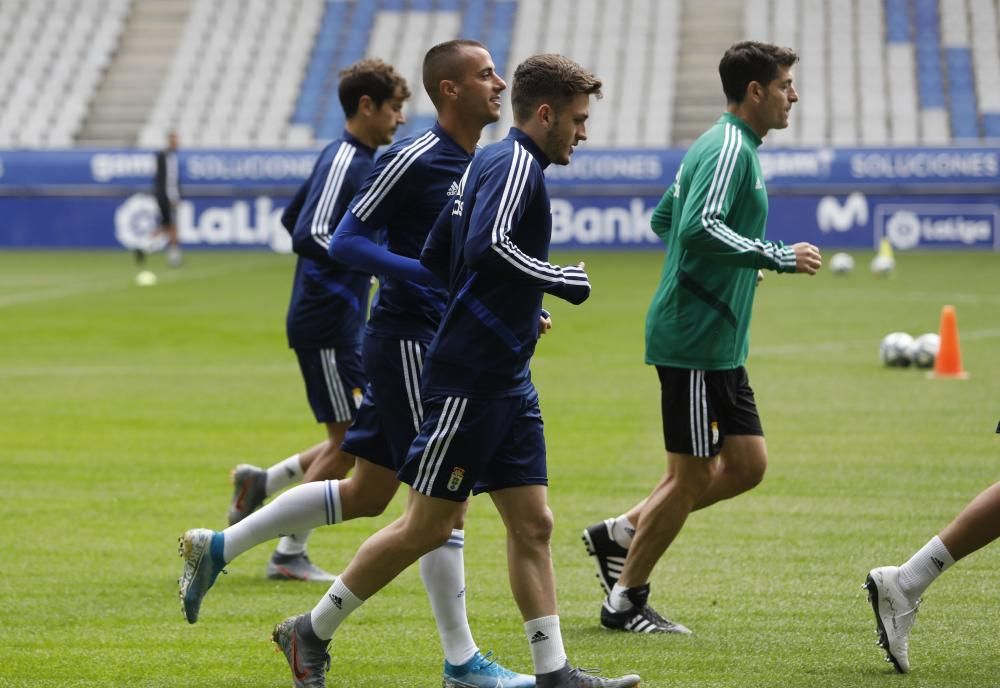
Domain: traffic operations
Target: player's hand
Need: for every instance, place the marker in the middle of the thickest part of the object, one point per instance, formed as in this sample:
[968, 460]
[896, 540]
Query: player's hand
[807, 258]
[544, 323]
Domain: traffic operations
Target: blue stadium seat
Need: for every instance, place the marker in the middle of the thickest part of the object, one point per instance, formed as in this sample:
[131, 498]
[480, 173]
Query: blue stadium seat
[962, 106]
[991, 125]
[897, 21]
[473, 19]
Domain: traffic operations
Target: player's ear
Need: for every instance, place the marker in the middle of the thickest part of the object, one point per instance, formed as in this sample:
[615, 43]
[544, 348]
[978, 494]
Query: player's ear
[755, 90]
[448, 89]
[545, 115]
[366, 105]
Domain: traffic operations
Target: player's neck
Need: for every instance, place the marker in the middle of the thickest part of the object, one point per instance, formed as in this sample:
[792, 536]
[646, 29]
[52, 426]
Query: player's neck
[749, 116]
[463, 132]
[355, 129]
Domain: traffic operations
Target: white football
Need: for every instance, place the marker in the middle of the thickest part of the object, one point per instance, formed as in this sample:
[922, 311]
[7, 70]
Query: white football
[146, 278]
[882, 265]
[895, 350]
[925, 350]
[841, 263]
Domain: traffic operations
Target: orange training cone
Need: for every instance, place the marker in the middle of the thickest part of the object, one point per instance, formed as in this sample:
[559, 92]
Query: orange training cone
[948, 363]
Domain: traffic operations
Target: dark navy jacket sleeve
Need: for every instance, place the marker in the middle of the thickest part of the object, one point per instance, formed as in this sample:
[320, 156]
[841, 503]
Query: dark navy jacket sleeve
[508, 186]
[290, 216]
[436, 254]
[354, 244]
[384, 192]
[335, 179]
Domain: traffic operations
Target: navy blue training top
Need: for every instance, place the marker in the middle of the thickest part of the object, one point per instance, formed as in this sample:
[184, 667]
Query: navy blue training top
[404, 193]
[329, 300]
[491, 245]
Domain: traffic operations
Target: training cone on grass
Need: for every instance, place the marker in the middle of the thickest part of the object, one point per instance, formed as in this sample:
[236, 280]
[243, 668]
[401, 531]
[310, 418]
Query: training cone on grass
[885, 250]
[948, 363]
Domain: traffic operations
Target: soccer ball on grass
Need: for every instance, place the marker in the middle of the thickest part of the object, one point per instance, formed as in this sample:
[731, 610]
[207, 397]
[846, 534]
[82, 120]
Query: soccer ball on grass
[841, 263]
[925, 350]
[896, 350]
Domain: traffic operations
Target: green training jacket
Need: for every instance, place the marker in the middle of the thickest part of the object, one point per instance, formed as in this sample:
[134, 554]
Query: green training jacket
[712, 219]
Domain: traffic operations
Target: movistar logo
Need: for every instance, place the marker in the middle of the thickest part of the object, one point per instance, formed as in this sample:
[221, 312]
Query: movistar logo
[834, 216]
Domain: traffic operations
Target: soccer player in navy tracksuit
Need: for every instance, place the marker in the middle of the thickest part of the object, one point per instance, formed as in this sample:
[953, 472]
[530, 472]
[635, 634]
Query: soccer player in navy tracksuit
[481, 428]
[324, 325]
[402, 197]
[329, 302]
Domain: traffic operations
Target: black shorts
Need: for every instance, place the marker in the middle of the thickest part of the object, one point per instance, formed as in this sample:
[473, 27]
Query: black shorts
[166, 211]
[701, 407]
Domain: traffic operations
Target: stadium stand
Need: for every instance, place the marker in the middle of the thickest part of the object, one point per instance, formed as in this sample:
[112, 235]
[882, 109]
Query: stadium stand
[236, 74]
[52, 56]
[255, 73]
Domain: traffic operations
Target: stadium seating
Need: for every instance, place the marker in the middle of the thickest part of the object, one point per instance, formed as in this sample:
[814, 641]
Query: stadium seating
[52, 55]
[237, 73]
[256, 73]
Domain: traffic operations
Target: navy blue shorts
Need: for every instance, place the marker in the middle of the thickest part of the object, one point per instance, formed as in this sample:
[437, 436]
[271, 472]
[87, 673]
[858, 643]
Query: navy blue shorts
[391, 411]
[477, 445]
[334, 379]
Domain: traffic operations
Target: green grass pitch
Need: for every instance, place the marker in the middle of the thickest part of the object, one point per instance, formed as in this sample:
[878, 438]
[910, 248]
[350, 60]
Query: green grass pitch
[123, 408]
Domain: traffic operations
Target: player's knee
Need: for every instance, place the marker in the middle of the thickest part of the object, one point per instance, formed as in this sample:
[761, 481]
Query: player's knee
[365, 500]
[754, 475]
[373, 505]
[748, 474]
[533, 530]
[691, 475]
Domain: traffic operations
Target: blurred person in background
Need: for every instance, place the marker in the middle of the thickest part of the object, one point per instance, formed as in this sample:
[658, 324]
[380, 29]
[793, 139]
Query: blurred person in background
[166, 189]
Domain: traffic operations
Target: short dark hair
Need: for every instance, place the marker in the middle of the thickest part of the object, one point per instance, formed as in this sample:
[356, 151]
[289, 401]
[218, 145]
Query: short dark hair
[551, 79]
[440, 65]
[369, 77]
[751, 61]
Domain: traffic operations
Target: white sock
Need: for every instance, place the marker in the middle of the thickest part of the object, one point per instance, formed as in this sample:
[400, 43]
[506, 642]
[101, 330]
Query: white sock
[622, 531]
[293, 544]
[443, 573]
[298, 510]
[924, 567]
[330, 612]
[283, 474]
[545, 640]
[617, 599]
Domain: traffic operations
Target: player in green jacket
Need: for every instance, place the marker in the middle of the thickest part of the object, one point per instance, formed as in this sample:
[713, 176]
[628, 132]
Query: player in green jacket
[712, 220]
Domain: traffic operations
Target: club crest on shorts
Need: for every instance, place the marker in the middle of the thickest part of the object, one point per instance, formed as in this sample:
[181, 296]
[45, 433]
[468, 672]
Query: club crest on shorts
[715, 432]
[358, 396]
[457, 474]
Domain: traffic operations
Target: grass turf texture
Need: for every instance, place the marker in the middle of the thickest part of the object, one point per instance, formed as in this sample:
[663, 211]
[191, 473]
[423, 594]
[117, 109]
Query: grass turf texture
[124, 407]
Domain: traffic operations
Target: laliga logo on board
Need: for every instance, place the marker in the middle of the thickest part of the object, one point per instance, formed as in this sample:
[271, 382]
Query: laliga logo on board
[903, 229]
[137, 218]
[942, 225]
[136, 221]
